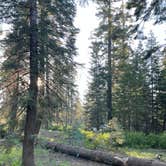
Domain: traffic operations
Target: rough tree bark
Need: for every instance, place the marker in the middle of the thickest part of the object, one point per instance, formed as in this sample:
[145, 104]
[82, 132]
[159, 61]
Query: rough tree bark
[29, 136]
[109, 77]
[103, 157]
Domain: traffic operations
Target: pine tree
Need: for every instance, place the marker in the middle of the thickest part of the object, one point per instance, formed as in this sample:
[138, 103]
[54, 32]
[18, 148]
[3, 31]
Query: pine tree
[152, 59]
[15, 65]
[30, 123]
[162, 94]
[56, 49]
[96, 109]
[113, 34]
[145, 11]
[106, 32]
[130, 91]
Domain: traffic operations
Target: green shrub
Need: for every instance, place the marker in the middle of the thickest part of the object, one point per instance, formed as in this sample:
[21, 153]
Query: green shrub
[141, 140]
[75, 136]
[11, 157]
[162, 140]
[135, 139]
[152, 140]
[111, 136]
[59, 127]
[116, 132]
[95, 140]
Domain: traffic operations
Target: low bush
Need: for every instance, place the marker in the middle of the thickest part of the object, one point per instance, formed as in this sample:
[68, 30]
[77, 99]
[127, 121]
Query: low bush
[135, 139]
[141, 140]
[74, 136]
[95, 140]
[11, 157]
[59, 127]
[152, 140]
[116, 132]
[111, 136]
[162, 140]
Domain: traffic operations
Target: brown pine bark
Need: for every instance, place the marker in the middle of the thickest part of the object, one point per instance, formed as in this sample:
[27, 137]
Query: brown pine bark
[29, 130]
[109, 77]
[93, 155]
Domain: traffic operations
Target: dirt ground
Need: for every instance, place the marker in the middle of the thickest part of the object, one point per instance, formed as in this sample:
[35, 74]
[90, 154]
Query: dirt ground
[73, 161]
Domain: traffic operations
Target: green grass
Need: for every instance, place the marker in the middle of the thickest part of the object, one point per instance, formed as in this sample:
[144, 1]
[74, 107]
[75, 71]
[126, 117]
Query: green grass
[136, 144]
[144, 153]
[12, 157]
[46, 158]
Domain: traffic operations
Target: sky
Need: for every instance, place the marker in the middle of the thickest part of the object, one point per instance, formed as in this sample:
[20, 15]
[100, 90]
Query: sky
[86, 21]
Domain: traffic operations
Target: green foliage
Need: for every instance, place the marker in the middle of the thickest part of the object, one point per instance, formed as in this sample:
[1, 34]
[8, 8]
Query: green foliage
[43, 157]
[75, 136]
[134, 139]
[95, 140]
[95, 107]
[113, 137]
[12, 157]
[59, 127]
[144, 11]
[152, 140]
[117, 135]
[162, 140]
[141, 140]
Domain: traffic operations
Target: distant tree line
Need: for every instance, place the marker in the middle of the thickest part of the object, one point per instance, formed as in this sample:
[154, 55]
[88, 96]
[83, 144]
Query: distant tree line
[128, 80]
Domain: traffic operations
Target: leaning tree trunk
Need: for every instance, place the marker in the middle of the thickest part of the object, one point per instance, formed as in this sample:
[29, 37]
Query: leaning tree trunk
[28, 143]
[102, 157]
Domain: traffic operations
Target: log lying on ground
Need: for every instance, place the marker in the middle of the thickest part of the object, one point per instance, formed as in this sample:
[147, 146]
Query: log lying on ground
[2, 142]
[103, 157]
[132, 161]
[93, 155]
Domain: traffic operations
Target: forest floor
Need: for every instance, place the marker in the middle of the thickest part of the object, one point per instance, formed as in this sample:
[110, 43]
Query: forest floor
[63, 159]
[58, 136]
[43, 157]
[46, 157]
[66, 160]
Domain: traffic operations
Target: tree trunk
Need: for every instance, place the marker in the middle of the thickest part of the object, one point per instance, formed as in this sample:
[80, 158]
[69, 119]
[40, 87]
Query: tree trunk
[97, 156]
[13, 113]
[164, 122]
[28, 143]
[102, 157]
[43, 52]
[109, 77]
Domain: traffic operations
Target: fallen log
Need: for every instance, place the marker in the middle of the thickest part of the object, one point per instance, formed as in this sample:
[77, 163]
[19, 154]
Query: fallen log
[2, 142]
[93, 155]
[132, 161]
[102, 157]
